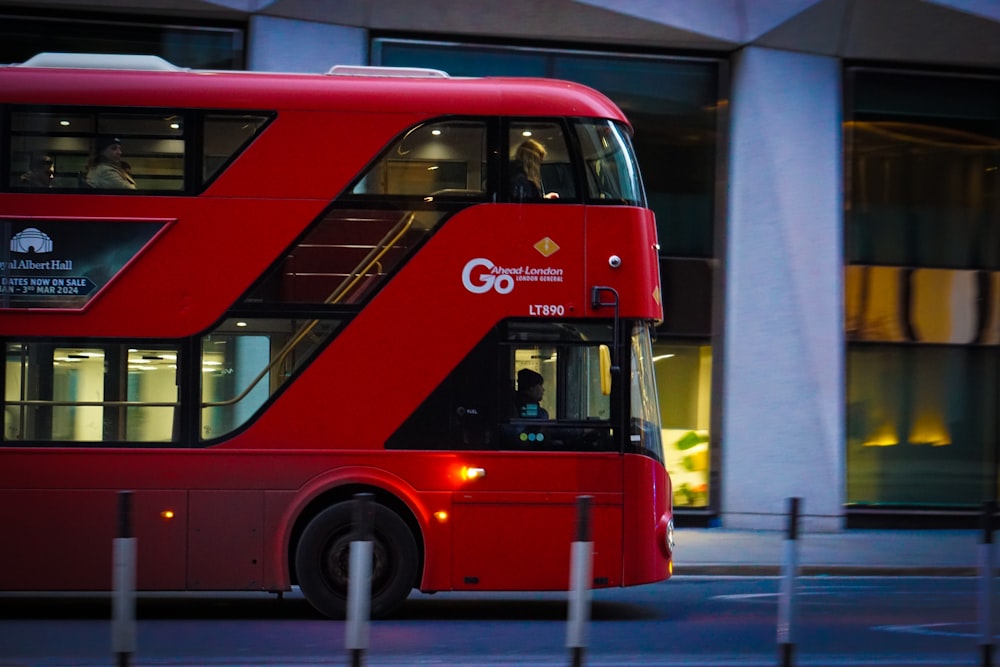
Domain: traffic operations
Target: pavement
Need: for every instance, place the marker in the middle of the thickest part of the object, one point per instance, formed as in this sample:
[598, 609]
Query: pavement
[856, 552]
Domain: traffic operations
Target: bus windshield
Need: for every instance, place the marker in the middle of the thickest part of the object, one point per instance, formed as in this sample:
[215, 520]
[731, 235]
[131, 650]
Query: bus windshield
[612, 174]
[645, 434]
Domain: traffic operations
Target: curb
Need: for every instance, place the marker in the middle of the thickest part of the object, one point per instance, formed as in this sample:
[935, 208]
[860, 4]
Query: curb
[737, 570]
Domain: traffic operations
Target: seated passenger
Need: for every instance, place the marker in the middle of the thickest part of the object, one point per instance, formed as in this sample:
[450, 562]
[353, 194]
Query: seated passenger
[41, 171]
[106, 169]
[527, 400]
[526, 175]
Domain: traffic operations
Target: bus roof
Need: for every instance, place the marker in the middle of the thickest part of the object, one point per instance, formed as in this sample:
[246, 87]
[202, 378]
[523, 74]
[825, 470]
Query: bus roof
[144, 83]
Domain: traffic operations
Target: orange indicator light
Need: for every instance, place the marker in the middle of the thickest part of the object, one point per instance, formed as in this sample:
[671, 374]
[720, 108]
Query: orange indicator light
[441, 516]
[167, 514]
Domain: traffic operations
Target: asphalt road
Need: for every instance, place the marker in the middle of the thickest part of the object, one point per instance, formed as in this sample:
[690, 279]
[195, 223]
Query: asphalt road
[688, 621]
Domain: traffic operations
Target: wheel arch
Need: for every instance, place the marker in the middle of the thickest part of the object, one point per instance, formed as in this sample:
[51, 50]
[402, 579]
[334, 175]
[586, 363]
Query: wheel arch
[342, 486]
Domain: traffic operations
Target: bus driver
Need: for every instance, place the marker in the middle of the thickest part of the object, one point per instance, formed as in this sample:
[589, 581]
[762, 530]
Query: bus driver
[530, 389]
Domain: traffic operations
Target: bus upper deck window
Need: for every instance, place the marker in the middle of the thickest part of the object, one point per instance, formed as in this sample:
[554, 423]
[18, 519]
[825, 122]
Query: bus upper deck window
[151, 151]
[440, 159]
[540, 167]
[48, 147]
[101, 151]
[225, 135]
[612, 171]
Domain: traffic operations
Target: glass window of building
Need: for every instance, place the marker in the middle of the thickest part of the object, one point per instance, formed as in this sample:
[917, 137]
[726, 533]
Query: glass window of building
[674, 105]
[684, 376]
[201, 46]
[922, 288]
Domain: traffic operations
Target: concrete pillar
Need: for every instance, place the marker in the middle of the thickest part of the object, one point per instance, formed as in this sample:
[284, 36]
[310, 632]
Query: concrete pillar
[783, 332]
[286, 45]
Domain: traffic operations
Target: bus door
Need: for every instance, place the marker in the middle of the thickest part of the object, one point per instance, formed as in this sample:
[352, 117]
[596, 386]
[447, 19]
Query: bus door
[514, 514]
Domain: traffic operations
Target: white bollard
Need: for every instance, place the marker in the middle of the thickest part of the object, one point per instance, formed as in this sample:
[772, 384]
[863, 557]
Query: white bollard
[789, 582]
[123, 582]
[581, 569]
[986, 642]
[359, 583]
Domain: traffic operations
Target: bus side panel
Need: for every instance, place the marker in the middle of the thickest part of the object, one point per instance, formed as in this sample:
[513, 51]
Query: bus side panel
[648, 506]
[227, 522]
[514, 526]
[61, 539]
[630, 234]
[510, 529]
[59, 511]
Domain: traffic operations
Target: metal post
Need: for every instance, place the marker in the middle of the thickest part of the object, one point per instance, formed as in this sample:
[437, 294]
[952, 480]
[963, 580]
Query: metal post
[581, 568]
[359, 583]
[786, 599]
[986, 583]
[123, 581]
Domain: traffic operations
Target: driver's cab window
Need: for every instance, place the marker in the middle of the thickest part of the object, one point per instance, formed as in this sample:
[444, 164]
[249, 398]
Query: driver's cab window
[561, 388]
[561, 382]
[535, 385]
[540, 167]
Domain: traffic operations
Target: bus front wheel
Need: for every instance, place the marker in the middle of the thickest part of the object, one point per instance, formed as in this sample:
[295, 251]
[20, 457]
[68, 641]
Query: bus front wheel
[323, 554]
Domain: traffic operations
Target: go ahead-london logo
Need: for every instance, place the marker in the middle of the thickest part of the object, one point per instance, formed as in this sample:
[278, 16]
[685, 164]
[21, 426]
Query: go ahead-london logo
[480, 275]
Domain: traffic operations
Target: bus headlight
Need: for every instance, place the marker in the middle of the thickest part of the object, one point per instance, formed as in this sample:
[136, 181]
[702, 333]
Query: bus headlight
[665, 535]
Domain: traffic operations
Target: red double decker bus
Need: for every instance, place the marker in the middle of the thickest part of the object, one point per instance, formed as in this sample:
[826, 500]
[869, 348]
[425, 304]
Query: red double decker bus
[248, 297]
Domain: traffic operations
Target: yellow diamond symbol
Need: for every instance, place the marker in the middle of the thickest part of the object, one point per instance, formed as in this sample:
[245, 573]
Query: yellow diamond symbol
[656, 294]
[547, 247]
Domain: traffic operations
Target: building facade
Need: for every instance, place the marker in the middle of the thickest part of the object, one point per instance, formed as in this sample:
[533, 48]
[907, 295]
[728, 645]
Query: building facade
[826, 180]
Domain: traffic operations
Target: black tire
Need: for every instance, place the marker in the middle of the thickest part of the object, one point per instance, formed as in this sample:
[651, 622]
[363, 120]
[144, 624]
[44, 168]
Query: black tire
[323, 554]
